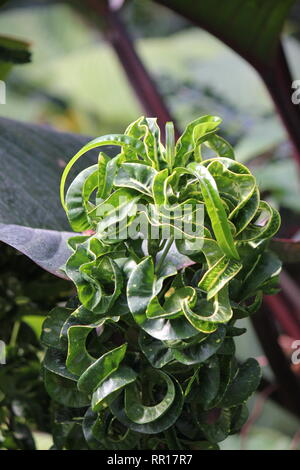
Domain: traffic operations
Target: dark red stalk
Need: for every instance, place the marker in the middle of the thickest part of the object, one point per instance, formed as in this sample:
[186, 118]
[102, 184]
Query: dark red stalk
[276, 76]
[137, 74]
[289, 386]
[278, 80]
[256, 413]
[291, 291]
[283, 315]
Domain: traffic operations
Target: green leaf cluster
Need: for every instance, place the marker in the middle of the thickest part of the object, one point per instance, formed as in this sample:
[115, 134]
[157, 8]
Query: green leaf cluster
[146, 349]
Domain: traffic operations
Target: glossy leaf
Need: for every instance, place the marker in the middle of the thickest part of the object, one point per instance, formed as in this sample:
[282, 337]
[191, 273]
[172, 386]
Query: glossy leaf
[244, 384]
[141, 414]
[101, 369]
[186, 144]
[198, 353]
[52, 326]
[98, 429]
[78, 196]
[225, 172]
[217, 311]
[265, 224]
[267, 267]
[64, 391]
[218, 276]
[157, 353]
[119, 379]
[154, 427]
[215, 210]
[136, 176]
[131, 143]
[138, 300]
[78, 327]
[207, 385]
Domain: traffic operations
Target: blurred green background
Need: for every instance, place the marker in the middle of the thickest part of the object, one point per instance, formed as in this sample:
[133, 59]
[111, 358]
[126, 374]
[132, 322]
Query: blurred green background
[76, 83]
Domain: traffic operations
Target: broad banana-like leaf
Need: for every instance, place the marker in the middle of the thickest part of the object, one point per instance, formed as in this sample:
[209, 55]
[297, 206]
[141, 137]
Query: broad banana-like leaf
[47, 248]
[251, 28]
[32, 159]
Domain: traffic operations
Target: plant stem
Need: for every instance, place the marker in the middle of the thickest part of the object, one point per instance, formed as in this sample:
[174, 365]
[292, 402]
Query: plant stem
[278, 80]
[14, 333]
[104, 17]
[164, 254]
[132, 253]
[267, 332]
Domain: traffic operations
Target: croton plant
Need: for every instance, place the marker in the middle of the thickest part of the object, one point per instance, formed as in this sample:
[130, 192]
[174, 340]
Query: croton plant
[171, 250]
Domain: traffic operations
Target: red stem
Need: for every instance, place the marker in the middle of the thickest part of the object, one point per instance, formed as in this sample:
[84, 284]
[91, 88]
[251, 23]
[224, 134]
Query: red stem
[291, 291]
[283, 315]
[278, 80]
[289, 386]
[256, 413]
[137, 74]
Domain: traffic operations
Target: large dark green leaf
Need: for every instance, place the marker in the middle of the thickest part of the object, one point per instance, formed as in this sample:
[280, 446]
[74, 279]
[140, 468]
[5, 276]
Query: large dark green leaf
[201, 351]
[157, 353]
[101, 369]
[141, 414]
[47, 248]
[64, 391]
[111, 386]
[98, 428]
[32, 158]
[158, 425]
[244, 384]
[251, 28]
[208, 384]
[52, 327]
[140, 291]
[261, 275]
